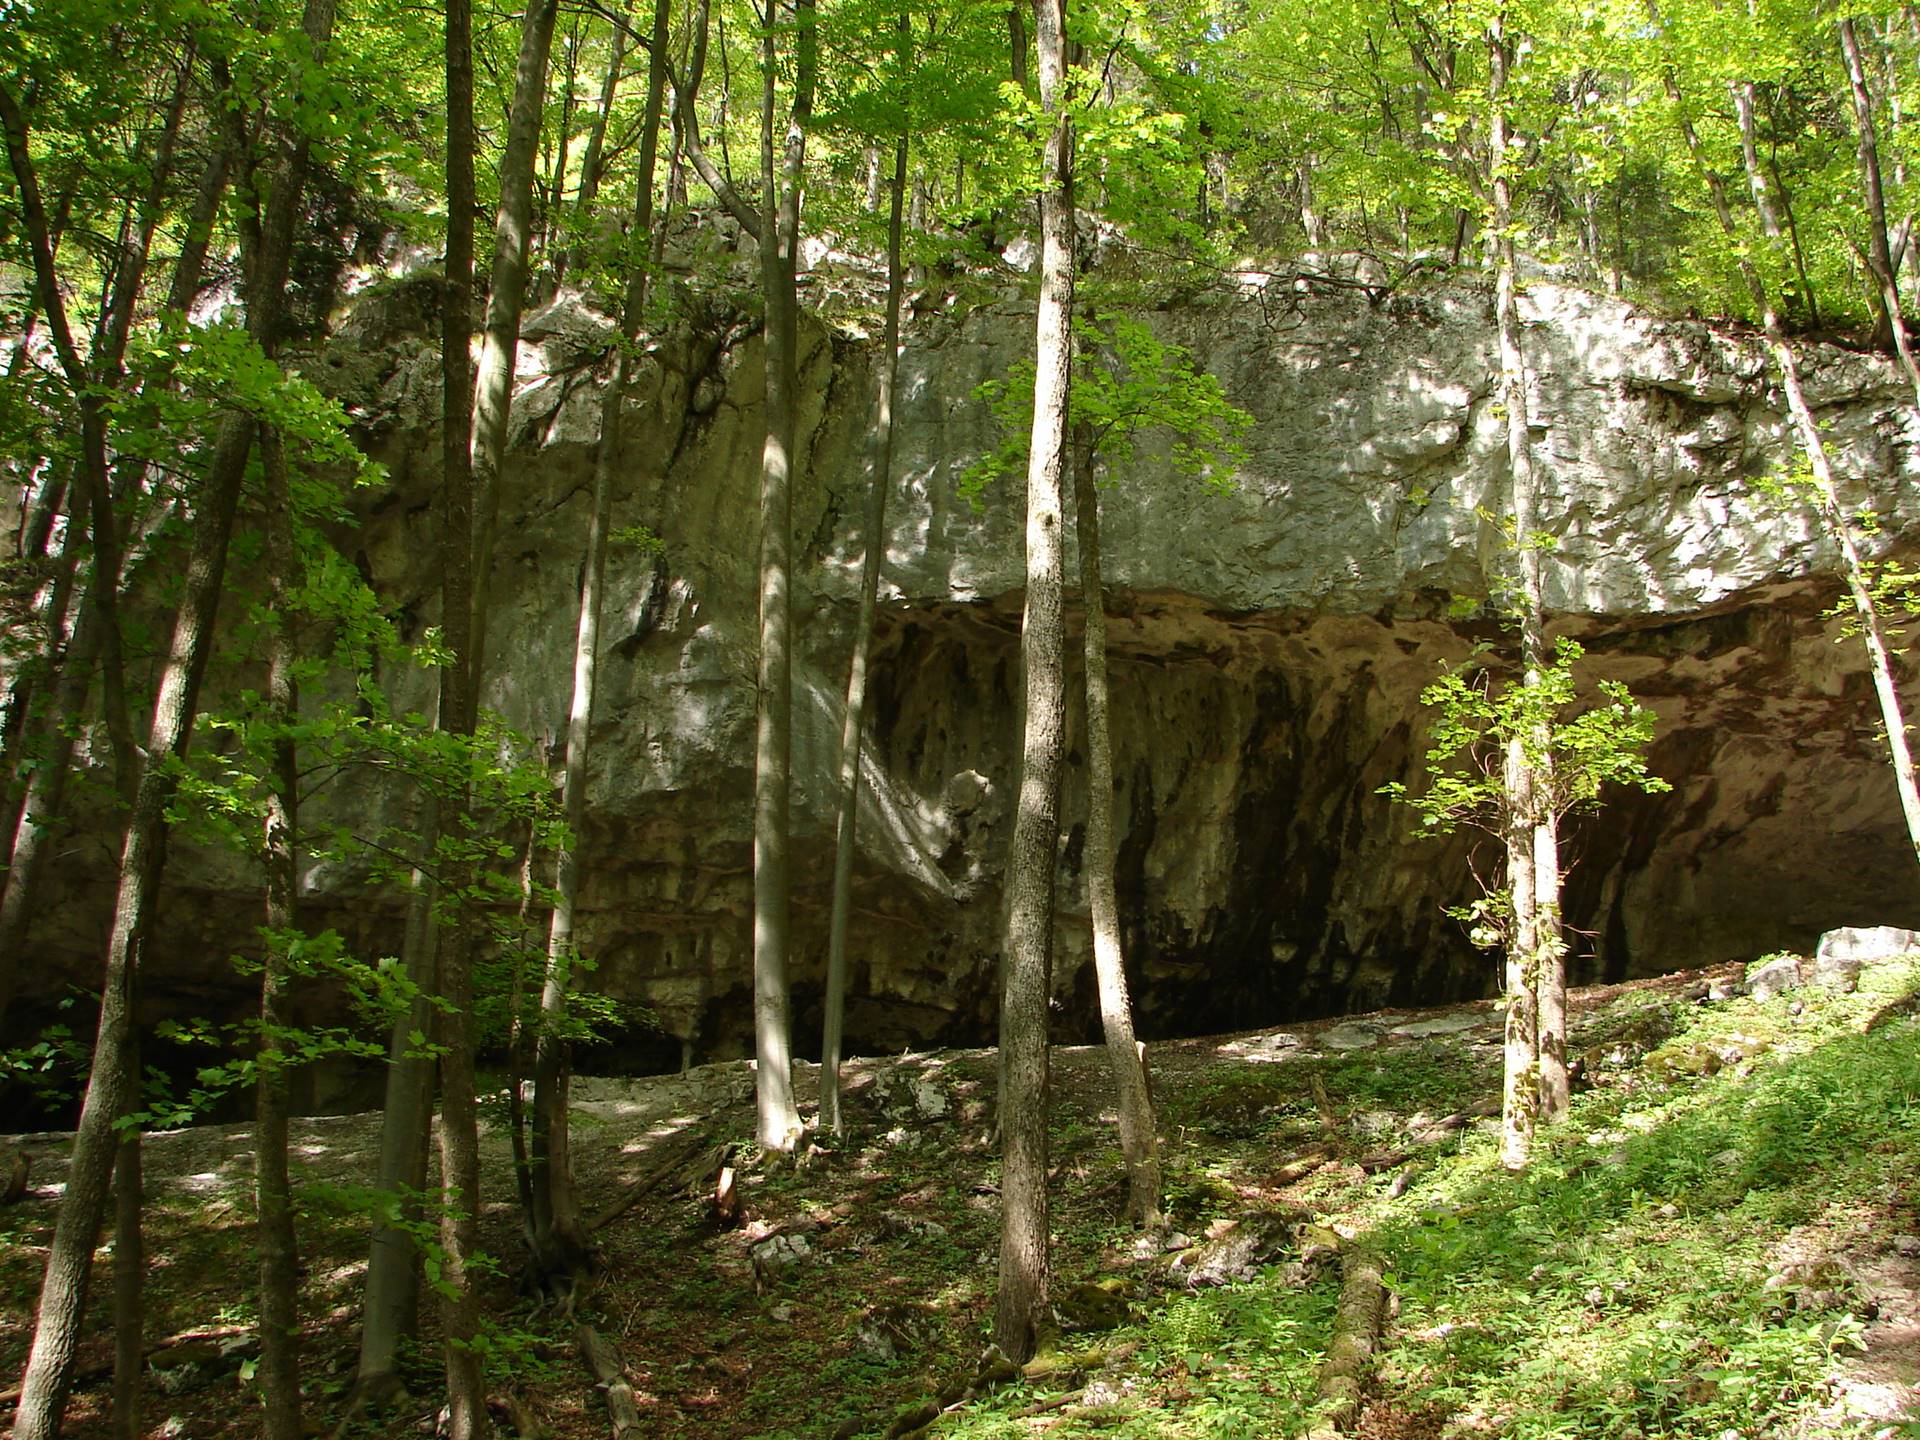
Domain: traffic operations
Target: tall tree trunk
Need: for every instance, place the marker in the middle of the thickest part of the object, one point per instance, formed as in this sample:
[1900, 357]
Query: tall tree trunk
[1879, 255]
[1021, 1304]
[459, 1126]
[129, 1266]
[1536, 1079]
[30, 831]
[49, 1373]
[279, 1255]
[392, 1287]
[782, 177]
[500, 343]
[1132, 1099]
[563, 137]
[851, 733]
[1827, 498]
[390, 1296]
[590, 163]
[562, 1249]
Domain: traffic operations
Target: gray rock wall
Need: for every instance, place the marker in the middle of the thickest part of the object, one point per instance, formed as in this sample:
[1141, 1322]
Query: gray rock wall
[1269, 647]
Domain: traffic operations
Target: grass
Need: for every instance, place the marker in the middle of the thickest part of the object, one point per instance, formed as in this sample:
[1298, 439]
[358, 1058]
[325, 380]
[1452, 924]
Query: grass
[1672, 1266]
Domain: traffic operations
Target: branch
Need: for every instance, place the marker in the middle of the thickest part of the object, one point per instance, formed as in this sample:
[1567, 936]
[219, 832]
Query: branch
[34, 212]
[735, 203]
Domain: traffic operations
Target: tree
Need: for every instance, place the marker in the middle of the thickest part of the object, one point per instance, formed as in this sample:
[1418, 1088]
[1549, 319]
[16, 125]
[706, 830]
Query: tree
[1535, 1086]
[1021, 1302]
[562, 1249]
[1825, 494]
[777, 224]
[1127, 382]
[1569, 751]
[109, 1085]
[459, 1134]
[875, 526]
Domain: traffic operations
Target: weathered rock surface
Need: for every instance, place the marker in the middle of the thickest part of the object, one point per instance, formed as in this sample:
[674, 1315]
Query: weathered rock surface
[1269, 647]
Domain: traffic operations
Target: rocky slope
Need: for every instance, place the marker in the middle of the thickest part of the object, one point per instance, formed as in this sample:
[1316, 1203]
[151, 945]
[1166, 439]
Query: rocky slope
[1270, 645]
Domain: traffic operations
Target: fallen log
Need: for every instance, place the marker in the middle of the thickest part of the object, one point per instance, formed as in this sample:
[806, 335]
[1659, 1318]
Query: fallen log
[208, 1335]
[1302, 1165]
[610, 1376]
[1356, 1334]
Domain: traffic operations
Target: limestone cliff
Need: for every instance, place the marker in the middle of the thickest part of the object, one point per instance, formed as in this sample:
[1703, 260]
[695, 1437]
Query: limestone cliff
[1269, 648]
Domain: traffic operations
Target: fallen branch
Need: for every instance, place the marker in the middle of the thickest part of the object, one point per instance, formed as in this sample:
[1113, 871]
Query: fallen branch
[1459, 1120]
[1058, 1402]
[99, 1369]
[1887, 1014]
[669, 1164]
[1302, 1165]
[610, 1374]
[1356, 1333]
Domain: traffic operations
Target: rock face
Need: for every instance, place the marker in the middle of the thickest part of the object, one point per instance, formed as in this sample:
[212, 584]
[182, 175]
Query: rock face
[1269, 647]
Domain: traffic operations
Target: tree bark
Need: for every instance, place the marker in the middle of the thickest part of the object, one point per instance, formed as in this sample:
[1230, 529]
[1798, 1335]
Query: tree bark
[129, 1267]
[1826, 495]
[459, 1127]
[778, 1119]
[506, 295]
[279, 1254]
[1021, 1304]
[851, 733]
[562, 1249]
[1132, 1099]
[1536, 1079]
[63, 1293]
[1879, 255]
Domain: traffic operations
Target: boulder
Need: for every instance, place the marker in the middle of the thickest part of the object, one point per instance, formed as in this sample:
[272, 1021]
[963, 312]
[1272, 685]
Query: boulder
[1843, 953]
[1240, 1248]
[1773, 976]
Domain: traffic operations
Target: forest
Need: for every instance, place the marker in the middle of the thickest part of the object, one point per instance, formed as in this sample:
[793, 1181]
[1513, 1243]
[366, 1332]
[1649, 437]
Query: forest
[584, 576]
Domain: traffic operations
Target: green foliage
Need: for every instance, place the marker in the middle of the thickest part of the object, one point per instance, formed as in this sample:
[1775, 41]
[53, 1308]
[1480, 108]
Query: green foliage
[1128, 382]
[1623, 1290]
[1575, 752]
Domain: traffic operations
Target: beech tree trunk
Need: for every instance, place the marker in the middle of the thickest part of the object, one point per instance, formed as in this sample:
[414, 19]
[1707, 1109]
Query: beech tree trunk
[129, 1268]
[781, 182]
[506, 295]
[63, 1293]
[390, 1295]
[1536, 1077]
[279, 1254]
[459, 1125]
[1880, 259]
[562, 1249]
[392, 1284]
[1020, 1306]
[1132, 1100]
[1826, 495]
[851, 733]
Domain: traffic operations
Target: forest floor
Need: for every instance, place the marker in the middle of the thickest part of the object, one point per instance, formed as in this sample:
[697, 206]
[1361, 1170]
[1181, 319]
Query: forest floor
[1721, 1242]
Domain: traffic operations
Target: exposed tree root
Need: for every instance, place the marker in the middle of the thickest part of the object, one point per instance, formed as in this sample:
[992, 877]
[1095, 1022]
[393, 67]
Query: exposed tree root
[371, 1394]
